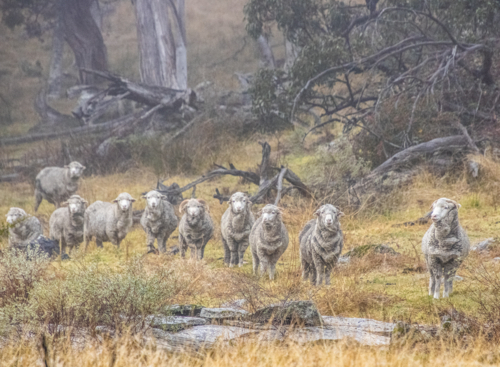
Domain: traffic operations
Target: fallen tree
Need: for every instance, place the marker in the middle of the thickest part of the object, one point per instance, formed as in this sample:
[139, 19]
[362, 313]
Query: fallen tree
[262, 180]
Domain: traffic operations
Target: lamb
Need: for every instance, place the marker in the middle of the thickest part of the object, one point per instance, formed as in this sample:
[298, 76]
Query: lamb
[195, 228]
[158, 220]
[56, 184]
[268, 240]
[23, 228]
[66, 224]
[236, 224]
[445, 245]
[321, 243]
[108, 222]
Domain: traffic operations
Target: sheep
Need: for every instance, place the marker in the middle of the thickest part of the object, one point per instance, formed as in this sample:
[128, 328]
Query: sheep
[445, 245]
[109, 222]
[268, 240]
[321, 242]
[236, 224]
[56, 184]
[66, 224]
[23, 228]
[158, 220]
[195, 228]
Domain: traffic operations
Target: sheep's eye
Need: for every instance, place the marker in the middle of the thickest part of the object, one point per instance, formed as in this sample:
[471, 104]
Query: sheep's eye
[447, 207]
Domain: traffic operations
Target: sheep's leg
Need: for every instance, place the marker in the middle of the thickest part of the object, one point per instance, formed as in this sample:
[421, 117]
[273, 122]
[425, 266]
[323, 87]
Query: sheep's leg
[305, 269]
[227, 253]
[450, 269]
[182, 246]
[312, 274]
[438, 274]
[200, 252]
[241, 252]
[320, 268]
[150, 241]
[272, 271]
[98, 242]
[264, 265]
[255, 262]
[162, 243]
[234, 258]
[63, 246]
[328, 272]
[38, 199]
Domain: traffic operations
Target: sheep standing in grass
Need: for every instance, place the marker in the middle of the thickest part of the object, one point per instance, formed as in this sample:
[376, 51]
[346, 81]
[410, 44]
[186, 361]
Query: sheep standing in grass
[56, 184]
[268, 240]
[109, 222]
[445, 245]
[23, 228]
[236, 224]
[321, 243]
[195, 228]
[158, 220]
[66, 224]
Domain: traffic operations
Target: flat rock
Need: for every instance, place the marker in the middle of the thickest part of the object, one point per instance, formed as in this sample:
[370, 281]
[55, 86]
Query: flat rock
[302, 313]
[364, 250]
[483, 245]
[174, 323]
[238, 304]
[222, 313]
[314, 334]
[368, 325]
[183, 310]
[199, 336]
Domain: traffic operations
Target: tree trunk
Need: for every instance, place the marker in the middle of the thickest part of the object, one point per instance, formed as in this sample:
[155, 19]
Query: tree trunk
[156, 43]
[180, 43]
[56, 60]
[291, 53]
[84, 37]
[266, 53]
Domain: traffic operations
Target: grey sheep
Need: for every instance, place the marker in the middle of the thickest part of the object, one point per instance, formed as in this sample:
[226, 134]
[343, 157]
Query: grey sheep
[321, 242]
[445, 245]
[236, 224]
[56, 184]
[109, 222]
[268, 240]
[23, 228]
[195, 228]
[158, 220]
[66, 224]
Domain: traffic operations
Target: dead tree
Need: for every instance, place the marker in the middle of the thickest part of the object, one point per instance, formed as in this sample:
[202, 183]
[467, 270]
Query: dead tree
[261, 180]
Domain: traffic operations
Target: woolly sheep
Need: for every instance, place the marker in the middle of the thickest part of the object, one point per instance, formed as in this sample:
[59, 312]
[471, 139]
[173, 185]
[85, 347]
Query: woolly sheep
[158, 220]
[236, 224]
[445, 245]
[109, 222]
[321, 243]
[195, 228]
[66, 224]
[268, 240]
[56, 184]
[23, 228]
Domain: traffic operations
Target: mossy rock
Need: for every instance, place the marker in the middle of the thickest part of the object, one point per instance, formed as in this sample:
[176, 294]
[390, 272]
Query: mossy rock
[182, 310]
[364, 250]
[299, 313]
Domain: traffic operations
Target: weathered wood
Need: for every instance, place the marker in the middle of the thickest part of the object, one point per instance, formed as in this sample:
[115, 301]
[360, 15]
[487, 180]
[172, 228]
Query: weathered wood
[280, 185]
[264, 164]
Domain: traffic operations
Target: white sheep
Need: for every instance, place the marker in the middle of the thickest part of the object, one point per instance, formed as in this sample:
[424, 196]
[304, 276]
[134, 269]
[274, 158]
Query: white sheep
[66, 224]
[158, 220]
[23, 228]
[109, 222]
[236, 224]
[195, 228]
[445, 246]
[56, 184]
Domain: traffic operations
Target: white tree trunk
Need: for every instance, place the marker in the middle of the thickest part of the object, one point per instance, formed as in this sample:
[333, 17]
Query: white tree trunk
[180, 43]
[56, 58]
[266, 53]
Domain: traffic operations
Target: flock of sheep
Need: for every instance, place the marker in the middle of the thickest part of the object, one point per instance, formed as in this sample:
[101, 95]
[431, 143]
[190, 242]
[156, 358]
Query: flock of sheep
[445, 244]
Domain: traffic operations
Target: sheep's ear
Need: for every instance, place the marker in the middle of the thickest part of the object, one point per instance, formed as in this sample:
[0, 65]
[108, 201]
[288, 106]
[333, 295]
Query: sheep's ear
[182, 207]
[115, 201]
[457, 205]
[433, 204]
[83, 167]
[132, 200]
[340, 214]
[317, 212]
[163, 197]
[64, 203]
[281, 210]
[144, 197]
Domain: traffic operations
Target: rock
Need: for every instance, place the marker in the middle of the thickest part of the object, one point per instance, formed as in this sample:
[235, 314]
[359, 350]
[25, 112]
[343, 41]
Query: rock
[483, 245]
[344, 259]
[174, 323]
[364, 250]
[458, 278]
[368, 325]
[43, 245]
[496, 259]
[301, 313]
[182, 310]
[222, 313]
[198, 337]
[314, 334]
[238, 304]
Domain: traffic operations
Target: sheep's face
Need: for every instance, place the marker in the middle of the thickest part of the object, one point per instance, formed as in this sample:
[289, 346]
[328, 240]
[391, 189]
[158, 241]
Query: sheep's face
[76, 204]
[271, 215]
[15, 215]
[75, 169]
[194, 210]
[328, 217]
[239, 202]
[124, 201]
[154, 198]
[441, 208]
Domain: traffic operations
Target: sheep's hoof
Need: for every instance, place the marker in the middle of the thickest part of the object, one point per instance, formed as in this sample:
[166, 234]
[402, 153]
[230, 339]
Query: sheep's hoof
[153, 251]
[65, 257]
